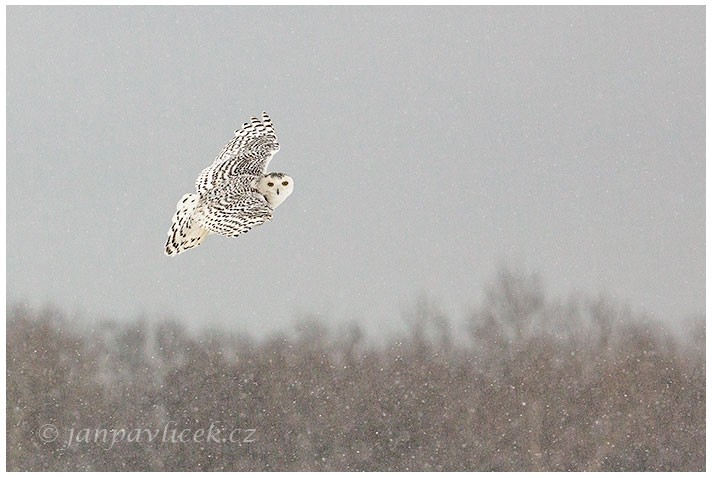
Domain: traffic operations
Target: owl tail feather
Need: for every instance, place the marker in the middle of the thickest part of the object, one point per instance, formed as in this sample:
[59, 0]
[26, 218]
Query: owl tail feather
[185, 232]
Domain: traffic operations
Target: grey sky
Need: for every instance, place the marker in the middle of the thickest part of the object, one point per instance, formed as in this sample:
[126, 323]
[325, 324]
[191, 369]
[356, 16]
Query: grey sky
[427, 145]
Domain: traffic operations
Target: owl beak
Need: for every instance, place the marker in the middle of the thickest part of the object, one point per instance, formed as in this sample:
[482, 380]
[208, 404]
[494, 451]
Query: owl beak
[277, 191]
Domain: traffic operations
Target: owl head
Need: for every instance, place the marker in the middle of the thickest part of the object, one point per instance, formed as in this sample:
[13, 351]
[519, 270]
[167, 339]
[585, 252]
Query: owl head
[275, 187]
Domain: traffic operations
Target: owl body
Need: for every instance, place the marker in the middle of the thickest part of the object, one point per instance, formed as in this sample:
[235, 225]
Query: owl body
[234, 194]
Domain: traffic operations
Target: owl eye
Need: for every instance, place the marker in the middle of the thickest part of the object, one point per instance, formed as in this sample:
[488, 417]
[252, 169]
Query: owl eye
[284, 183]
[270, 184]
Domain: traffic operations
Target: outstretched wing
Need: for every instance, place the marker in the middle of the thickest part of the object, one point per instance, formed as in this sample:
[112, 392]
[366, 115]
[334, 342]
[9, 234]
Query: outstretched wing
[248, 152]
[232, 212]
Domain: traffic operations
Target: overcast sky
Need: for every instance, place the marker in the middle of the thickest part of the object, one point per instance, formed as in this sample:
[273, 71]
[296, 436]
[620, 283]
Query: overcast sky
[428, 146]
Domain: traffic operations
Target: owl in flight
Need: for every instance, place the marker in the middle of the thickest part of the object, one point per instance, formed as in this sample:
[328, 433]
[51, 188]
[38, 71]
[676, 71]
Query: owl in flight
[233, 194]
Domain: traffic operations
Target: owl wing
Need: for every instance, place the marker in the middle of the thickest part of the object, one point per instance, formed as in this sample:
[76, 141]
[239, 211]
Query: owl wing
[233, 212]
[248, 152]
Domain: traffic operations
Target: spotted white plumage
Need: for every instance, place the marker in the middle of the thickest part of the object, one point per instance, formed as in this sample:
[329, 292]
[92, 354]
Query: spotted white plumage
[249, 152]
[233, 194]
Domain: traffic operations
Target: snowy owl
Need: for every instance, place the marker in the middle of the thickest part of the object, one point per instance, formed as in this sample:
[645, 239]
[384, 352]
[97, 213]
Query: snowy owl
[233, 194]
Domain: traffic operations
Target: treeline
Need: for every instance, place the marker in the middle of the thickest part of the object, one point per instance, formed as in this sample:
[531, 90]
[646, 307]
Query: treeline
[529, 384]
